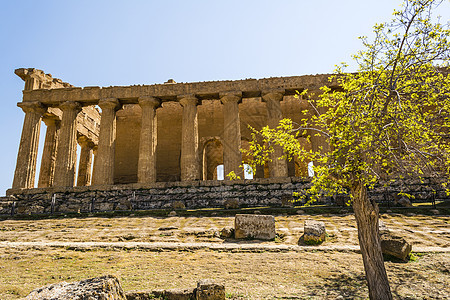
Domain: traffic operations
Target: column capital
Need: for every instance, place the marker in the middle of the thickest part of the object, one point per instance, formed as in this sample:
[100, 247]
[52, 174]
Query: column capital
[231, 96]
[34, 106]
[51, 120]
[85, 142]
[112, 103]
[149, 101]
[272, 95]
[188, 99]
[70, 105]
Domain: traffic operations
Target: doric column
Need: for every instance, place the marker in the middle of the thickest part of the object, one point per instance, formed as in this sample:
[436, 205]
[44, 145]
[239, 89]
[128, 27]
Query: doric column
[29, 143]
[104, 160]
[48, 161]
[189, 138]
[278, 167]
[66, 153]
[94, 152]
[232, 157]
[85, 164]
[148, 140]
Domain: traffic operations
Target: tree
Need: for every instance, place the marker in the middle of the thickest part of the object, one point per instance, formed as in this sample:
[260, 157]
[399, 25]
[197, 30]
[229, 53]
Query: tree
[389, 120]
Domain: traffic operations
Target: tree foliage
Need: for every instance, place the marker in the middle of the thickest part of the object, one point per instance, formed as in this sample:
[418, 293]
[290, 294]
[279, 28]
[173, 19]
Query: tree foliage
[388, 120]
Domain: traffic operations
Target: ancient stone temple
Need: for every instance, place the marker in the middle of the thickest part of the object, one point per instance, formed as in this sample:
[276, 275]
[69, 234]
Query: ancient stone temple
[139, 137]
[151, 133]
[151, 146]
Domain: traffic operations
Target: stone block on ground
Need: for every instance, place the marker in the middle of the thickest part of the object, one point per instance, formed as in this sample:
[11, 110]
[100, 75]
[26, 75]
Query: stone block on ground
[99, 288]
[314, 232]
[227, 232]
[207, 289]
[396, 246]
[260, 227]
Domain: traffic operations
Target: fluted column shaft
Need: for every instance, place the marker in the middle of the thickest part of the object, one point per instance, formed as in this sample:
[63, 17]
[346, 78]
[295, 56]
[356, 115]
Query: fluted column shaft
[278, 167]
[48, 161]
[85, 164]
[148, 140]
[104, 160]
[232, 157]
[66, 154]
[189, 139]
[29, 142]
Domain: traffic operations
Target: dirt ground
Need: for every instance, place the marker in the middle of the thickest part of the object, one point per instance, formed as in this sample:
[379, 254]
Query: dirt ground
[36, 253]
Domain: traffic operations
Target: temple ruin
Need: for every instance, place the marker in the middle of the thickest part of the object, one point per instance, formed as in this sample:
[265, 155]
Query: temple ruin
[157, 146]
[151, 133]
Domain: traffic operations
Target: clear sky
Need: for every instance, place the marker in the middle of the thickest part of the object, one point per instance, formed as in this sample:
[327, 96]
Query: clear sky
[107, 42]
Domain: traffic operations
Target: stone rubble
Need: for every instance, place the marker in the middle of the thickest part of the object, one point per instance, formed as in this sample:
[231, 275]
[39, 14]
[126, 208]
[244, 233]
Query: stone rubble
[108, 288]
[99, 288]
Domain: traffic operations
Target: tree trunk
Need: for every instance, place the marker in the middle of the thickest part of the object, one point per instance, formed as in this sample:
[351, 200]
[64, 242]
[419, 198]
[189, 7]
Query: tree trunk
[366, 213]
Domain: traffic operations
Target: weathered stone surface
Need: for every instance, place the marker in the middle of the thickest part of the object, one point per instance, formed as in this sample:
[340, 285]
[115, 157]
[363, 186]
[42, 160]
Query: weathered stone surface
[254, 226]
[404, 202]
[173, 294]
[99, 288]
[179, 294]
[396, 246]
[227, 232]
[232, 204]
[207, 289]
[382, 227]
[314, 232]
[140, 295]
[178, 205]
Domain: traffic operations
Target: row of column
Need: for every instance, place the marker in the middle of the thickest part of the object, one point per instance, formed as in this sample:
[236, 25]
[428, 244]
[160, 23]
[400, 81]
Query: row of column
[59, 156]
[190, 166]
[58, 167]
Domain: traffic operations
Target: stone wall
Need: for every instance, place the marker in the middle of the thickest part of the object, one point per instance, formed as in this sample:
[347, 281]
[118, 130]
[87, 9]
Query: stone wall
[274, 192]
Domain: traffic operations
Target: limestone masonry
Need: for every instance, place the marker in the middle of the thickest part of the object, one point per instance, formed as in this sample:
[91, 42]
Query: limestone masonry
[138, 141]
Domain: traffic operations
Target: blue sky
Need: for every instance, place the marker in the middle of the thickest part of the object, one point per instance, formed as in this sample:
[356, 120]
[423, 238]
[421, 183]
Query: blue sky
[105, 43]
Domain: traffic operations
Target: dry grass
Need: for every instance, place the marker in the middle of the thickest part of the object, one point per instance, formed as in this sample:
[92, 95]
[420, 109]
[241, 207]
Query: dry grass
[317, 275]
[266, 275]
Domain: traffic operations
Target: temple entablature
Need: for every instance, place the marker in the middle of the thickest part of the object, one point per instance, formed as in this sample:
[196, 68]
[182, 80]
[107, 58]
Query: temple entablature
[208, 90]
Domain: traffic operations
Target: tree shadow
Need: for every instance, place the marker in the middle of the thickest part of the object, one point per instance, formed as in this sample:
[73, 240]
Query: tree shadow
[348, 285]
